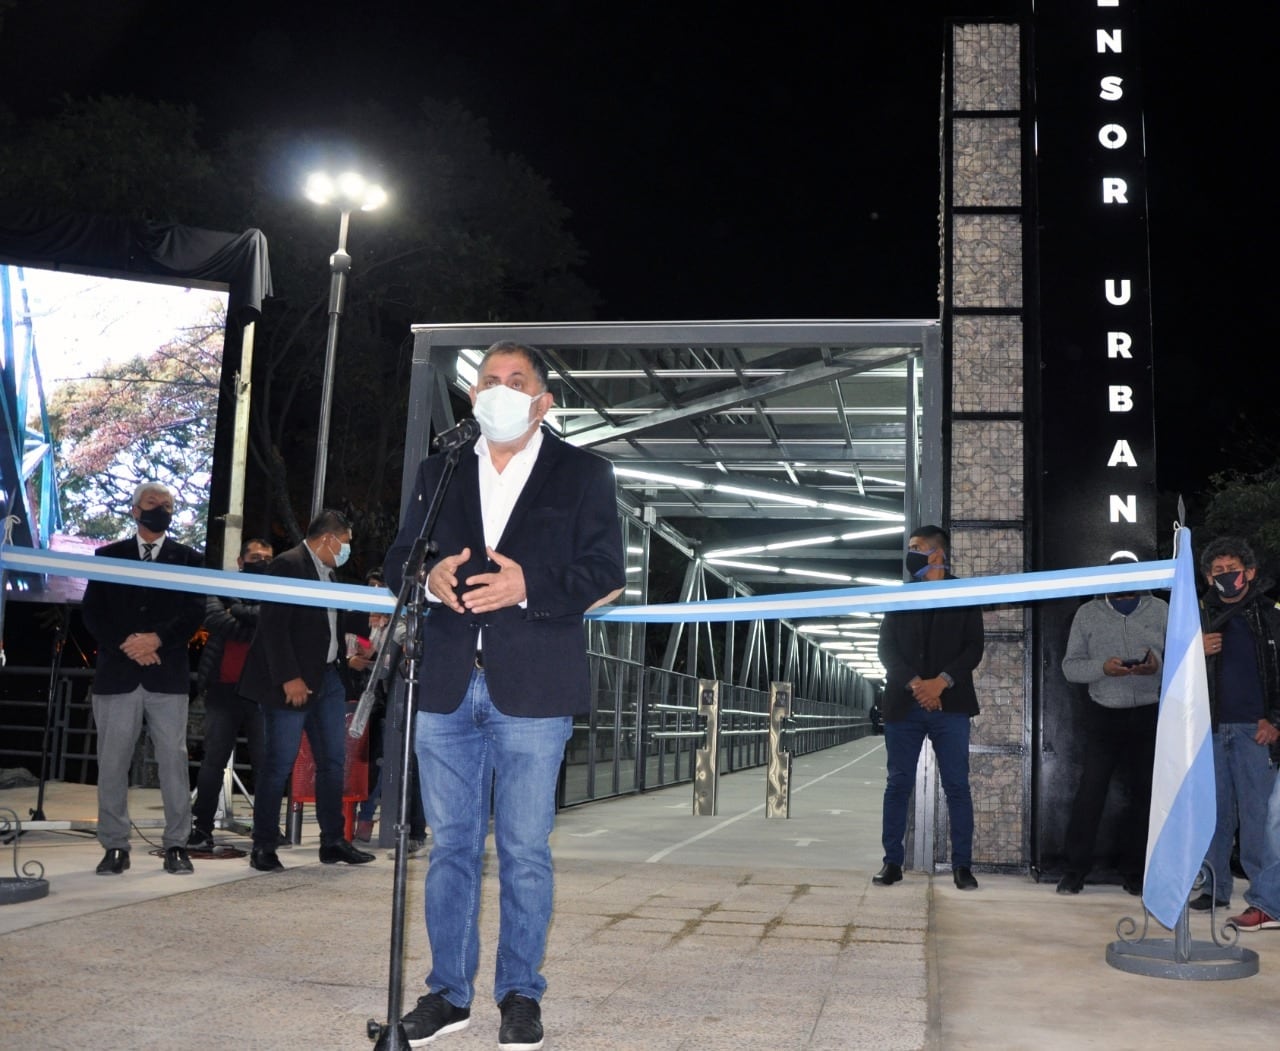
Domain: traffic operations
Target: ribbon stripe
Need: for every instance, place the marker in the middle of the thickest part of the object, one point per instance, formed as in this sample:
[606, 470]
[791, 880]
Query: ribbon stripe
[994, 590]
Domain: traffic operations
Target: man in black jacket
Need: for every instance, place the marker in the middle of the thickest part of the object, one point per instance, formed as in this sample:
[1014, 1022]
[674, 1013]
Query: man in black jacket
[143, 672]
[230, 624]
[929, 656]
[529, 540]
[292, 672]
[1241, 634]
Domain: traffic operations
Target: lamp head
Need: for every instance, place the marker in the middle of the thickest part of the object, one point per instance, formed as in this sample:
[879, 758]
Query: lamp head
[350, 191]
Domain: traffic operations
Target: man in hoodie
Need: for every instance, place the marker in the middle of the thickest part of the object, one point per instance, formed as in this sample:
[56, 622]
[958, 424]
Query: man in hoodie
[929, 656]
[1241, 629]
[1115, 647]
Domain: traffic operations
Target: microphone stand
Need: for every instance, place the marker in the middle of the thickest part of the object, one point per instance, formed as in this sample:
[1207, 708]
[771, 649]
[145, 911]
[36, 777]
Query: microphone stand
[60, 625]
[410, 603]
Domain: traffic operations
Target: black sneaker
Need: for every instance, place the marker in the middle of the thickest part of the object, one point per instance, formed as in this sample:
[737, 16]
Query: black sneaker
[521, 1023]
[201, 841]
[434, 1016]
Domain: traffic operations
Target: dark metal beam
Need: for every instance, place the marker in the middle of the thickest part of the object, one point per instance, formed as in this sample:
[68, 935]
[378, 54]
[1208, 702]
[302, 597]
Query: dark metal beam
[847, 363]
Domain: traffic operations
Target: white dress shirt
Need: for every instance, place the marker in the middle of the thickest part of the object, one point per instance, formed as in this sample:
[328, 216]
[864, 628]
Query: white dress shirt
[326, 574]
[499, 491]
[155, 547]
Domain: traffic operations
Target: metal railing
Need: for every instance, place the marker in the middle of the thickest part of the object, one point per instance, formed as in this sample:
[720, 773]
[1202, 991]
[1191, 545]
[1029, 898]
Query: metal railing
[644, 730]
[642, 733]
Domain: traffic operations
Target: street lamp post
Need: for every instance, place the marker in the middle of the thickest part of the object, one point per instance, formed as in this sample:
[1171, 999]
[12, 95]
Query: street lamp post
[350, 191]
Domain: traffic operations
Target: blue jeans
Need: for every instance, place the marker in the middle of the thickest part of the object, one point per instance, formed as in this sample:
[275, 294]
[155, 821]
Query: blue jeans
[1264, 888]
[949, 734]
[1245, 777]
[463, 757]
[324, 720]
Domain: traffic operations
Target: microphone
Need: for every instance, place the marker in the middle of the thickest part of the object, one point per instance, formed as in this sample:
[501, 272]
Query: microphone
[466, 431]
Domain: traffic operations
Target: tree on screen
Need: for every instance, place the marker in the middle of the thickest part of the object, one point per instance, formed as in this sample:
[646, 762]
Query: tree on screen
[148, 418]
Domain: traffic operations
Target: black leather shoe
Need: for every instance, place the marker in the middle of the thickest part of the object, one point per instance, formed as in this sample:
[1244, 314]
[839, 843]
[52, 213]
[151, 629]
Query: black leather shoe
[264, 860]
[891, 873]
[343, 851]
[113, 862]
[1071, 883]
[177, 861]
[1204, 903]
[964, 878]
[1132, 884]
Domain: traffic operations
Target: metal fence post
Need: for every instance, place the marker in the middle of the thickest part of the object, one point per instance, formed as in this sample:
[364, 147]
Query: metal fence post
[706, 763]
[777, 797]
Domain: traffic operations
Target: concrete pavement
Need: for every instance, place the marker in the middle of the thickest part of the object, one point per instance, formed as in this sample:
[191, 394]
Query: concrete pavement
[671, 932]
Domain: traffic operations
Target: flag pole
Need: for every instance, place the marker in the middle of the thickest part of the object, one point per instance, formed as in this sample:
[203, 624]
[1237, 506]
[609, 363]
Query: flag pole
[1183, 809]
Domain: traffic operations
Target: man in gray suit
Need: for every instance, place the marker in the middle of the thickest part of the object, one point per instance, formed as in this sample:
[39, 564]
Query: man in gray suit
[143, 672]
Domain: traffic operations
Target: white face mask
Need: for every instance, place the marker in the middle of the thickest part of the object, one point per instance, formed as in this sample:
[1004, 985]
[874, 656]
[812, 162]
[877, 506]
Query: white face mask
[503, 413]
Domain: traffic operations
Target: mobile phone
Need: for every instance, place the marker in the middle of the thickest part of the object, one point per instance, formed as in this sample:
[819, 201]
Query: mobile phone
[1134, 662]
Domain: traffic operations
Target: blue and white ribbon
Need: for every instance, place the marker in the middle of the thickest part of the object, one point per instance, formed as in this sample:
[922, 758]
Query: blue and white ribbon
[203, 581]
[975, 591]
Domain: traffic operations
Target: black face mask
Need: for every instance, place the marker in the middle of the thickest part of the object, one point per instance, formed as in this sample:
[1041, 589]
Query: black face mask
[1231, 583]
[917, 562]
[155, 519]
[256, 567]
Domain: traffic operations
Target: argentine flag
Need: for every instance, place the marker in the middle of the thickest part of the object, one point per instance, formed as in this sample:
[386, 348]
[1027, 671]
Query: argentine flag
[1183, 795]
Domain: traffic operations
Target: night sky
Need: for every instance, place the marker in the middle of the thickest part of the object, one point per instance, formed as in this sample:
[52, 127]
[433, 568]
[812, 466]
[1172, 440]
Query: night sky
[727, 161]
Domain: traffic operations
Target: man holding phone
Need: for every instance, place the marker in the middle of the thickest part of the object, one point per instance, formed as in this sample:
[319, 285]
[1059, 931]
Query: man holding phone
[1115, 647]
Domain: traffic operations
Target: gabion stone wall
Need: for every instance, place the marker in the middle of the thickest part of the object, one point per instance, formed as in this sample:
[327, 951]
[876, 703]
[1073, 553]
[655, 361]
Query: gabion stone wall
[986, 433]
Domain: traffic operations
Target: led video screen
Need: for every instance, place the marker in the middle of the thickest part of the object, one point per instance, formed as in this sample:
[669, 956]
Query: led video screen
[115, 381]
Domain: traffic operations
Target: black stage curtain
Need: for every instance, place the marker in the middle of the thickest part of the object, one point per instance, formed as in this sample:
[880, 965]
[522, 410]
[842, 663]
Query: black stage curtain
[48, 238]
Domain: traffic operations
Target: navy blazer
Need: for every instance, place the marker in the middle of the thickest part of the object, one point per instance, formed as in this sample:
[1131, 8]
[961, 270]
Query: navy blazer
[113, 612]
[565, 534]
[291, 642]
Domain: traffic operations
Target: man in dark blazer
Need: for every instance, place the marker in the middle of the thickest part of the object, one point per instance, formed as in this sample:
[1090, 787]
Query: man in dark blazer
[530, 540]
[143, 672]
[929, 656]
[292, 671]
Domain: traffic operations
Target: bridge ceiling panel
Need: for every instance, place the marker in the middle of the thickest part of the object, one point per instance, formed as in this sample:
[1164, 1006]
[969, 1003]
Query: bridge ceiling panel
[778, 451]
